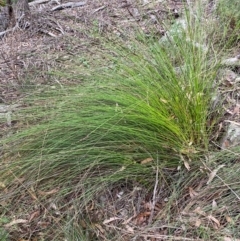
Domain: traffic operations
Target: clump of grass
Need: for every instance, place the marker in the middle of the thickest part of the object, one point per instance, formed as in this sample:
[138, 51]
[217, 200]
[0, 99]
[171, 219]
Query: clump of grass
[148, 105]
[228, 17]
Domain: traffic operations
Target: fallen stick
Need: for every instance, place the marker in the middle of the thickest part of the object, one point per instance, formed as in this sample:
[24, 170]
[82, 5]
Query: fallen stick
[37, 2]
[68, 5]
[7, 31]
[234, 62]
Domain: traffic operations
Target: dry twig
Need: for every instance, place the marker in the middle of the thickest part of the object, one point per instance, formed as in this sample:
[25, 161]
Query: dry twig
[68, 5]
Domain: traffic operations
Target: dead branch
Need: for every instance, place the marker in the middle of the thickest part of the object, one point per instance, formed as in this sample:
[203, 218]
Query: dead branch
[68, 5]
[37, 2]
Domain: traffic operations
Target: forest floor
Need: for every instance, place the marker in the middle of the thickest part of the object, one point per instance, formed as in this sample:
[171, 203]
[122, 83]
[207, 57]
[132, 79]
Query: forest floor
[55, 51]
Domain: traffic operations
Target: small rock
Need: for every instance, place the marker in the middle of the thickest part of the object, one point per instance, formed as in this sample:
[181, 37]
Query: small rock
[232, 136]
